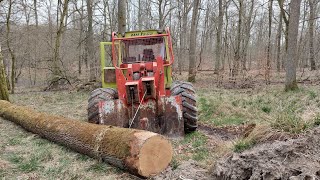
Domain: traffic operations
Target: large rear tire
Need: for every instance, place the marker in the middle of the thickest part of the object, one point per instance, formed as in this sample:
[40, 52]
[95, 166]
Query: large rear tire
[189, 104]
[97, 95]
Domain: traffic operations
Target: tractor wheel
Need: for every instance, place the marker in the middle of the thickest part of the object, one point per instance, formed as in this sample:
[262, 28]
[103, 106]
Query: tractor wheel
[97, 95]
[189, 102]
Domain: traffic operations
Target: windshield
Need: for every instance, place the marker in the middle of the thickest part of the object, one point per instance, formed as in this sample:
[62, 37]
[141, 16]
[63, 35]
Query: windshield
[145, 50]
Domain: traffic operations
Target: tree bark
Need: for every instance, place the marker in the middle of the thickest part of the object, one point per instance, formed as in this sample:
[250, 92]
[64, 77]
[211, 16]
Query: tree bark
[4, 95]
[35, 12]
[121, 16]
[311, 34]
[13, 57]
[56, 69]
[140, 152]
[268, 65]
[247, 35]
[193, 43]
[279, 43]
[291, 82]
[286, 21]
[219, 34]
[237, 57]
[89, 42]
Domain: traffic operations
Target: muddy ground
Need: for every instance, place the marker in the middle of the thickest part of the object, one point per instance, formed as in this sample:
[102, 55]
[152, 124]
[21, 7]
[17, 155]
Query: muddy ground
[292, 159]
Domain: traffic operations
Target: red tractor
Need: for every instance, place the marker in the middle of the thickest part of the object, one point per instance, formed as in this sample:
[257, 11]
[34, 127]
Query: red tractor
[138, 91]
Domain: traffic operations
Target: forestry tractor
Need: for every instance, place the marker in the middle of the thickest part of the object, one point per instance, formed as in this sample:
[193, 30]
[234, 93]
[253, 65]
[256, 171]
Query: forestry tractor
[137, 88]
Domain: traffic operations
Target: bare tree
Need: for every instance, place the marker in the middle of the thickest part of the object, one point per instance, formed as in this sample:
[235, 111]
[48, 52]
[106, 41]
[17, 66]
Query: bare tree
[122, 16]
[80, 11]
[11, 51]
[219, 34]
[183, 33]
[268, 66]
[291, 82]
[193, 43]
[56, 68]
[4, 95]
[89, 42]
[35, 12]
[312, 4]
[237, 56]
[279, 32]
[285, 19]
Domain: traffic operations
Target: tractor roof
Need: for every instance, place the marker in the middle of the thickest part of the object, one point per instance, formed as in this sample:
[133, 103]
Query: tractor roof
[141, 33]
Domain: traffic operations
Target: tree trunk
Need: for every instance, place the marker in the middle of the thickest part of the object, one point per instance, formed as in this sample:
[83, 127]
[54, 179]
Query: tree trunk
[291, 82]
[311, 34]
[268, 66]
[13, 57]
[4, 95]
[121, 16]
[193, 43]
[56, 69]
[140, 152]
[286, 21]
[279, 43]
[247, 36]
[89, 42]
[237, 57]
[35, 12]
[183, 35]
[219, 34]
[140, 15]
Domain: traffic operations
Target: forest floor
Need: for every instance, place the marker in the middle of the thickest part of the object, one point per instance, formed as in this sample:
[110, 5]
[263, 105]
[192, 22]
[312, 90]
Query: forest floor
[251, 132]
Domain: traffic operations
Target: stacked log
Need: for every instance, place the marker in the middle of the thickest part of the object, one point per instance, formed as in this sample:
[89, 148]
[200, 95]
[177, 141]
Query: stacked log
[140, 152]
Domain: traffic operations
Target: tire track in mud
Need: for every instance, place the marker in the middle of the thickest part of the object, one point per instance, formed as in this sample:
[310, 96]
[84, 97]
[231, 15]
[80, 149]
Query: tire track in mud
[226, 133]
[217, 132]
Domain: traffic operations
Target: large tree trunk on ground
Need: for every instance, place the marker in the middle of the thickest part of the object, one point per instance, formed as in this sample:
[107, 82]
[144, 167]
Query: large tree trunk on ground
[291, 60]
[4, 95]
[140, 152]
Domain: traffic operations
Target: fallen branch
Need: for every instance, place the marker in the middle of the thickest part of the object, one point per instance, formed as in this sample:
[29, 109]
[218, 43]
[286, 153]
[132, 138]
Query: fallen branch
[140, 152]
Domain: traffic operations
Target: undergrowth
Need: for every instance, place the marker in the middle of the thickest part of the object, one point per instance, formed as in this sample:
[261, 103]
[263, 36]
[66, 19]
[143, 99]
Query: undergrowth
[293, 111]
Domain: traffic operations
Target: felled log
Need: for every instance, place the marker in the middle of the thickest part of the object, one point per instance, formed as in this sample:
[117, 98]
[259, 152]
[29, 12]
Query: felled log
[140, 152]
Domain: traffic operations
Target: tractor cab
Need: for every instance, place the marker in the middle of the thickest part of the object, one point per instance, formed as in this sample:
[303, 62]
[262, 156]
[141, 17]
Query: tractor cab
[137, 51]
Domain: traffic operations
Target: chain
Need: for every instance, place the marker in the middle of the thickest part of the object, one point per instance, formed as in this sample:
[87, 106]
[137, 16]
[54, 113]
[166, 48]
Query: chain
[137, 110]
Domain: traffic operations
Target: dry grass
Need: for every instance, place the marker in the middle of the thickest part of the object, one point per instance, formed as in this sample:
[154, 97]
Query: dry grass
[286, 111]
[26, 156]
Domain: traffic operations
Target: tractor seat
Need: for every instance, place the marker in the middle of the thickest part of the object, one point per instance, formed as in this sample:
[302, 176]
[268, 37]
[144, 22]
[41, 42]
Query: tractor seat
[129, 60]
[148, 55]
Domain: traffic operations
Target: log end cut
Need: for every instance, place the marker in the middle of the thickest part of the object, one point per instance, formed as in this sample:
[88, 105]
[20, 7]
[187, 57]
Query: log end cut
[154, 156]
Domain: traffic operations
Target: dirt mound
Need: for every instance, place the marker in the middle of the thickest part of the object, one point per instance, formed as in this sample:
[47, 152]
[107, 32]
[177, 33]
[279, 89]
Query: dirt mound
[186, 171]
[292, 159]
